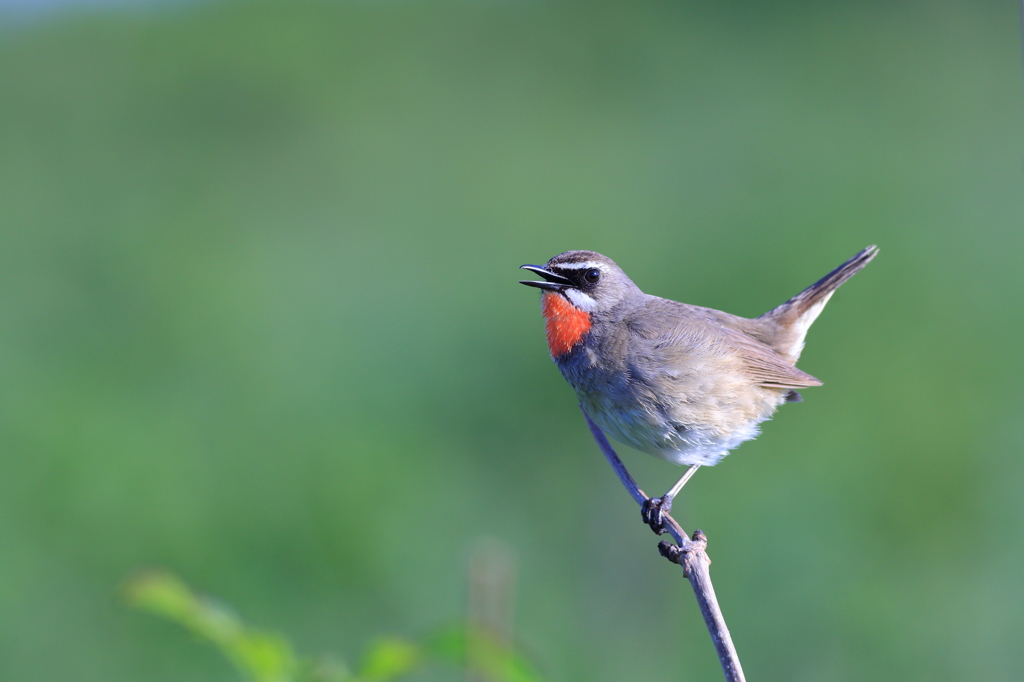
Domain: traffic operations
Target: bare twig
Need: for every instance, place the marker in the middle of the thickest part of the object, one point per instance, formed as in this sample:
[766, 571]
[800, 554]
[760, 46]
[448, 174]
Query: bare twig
[691, 555]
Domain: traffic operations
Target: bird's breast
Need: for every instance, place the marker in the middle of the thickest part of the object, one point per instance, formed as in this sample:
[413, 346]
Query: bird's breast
[565, 324]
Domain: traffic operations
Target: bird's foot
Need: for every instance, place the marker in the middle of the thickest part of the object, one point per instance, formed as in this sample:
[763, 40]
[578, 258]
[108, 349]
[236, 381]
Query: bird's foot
[653, 513]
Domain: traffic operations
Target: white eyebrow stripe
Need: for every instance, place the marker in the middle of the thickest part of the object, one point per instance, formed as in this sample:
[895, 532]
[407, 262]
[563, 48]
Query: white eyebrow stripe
[579, 266]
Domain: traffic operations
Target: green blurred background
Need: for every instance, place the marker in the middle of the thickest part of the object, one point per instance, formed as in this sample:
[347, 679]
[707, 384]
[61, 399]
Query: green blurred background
[260, 325]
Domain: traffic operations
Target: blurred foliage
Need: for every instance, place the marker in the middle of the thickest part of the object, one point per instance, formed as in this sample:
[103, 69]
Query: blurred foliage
[259, 324]
[268, 657]
[258, 656]
[389, 659]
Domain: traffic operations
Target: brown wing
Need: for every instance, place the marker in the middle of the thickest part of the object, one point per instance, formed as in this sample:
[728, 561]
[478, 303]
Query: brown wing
[694, 328]
[766, 366]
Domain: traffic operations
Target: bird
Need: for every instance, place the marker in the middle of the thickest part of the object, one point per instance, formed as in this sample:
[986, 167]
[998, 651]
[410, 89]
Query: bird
[681, 382]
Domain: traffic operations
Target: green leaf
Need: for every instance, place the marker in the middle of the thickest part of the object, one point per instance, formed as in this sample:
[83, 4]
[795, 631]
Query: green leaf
[390, 658]
[258, 655]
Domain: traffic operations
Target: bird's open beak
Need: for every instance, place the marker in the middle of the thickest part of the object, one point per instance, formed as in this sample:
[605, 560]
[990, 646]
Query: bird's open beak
[555, 282]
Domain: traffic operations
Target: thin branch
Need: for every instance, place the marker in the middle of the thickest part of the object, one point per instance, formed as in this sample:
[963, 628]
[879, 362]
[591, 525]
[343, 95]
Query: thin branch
[691, 555]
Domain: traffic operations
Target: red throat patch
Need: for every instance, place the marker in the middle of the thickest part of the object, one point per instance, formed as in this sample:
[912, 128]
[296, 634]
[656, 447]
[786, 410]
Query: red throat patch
[565, 323]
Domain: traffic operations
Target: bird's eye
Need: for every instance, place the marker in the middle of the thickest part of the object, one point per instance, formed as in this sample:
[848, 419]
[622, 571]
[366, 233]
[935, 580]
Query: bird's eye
[592, 275]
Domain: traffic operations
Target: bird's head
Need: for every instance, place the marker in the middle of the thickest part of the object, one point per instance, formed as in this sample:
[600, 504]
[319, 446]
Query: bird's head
[577, 285]
[586, 279]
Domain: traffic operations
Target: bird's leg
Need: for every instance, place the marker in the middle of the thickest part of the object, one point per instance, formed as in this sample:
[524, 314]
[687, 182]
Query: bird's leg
[654, 508]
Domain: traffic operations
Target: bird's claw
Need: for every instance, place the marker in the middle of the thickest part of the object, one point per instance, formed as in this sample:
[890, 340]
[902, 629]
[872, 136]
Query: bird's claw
[653, 513]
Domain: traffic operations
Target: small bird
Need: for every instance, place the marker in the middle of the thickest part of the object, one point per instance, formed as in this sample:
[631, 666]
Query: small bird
[678, 381]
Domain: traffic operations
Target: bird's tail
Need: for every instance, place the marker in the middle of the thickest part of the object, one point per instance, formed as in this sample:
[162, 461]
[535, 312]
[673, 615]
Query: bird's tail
[794, 317]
